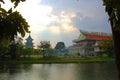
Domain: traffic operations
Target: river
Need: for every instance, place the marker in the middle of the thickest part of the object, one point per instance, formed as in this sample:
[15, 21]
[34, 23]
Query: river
[79, 71]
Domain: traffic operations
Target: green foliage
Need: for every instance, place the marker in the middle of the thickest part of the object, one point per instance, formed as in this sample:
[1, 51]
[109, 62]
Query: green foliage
[13, 50]
[27, 52]
[36, 52]
[2, 1]
[77, 53]
[11, 24]
[43, 46]
[60, 45]
[107, 45]
[16, 2]
[3, 50]
[107, 48]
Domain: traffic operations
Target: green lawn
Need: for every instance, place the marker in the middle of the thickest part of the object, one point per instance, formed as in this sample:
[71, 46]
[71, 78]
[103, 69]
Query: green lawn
[59, 60]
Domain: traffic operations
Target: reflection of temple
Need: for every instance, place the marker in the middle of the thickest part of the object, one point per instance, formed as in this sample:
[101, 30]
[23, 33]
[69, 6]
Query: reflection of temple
[88, 43]
[29, 42]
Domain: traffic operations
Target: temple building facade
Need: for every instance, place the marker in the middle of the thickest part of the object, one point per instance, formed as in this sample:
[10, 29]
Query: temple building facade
[88, 43]
[29, 42]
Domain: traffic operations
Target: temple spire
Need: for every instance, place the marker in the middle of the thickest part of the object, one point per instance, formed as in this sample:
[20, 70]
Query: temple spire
[29, 42]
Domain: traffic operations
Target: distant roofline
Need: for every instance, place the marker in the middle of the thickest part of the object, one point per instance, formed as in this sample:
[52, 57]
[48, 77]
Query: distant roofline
[95, 33]
[93, 36]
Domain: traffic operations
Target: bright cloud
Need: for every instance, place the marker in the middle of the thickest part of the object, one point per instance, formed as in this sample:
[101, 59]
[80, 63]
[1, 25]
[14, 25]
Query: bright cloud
[62, 23]
[40, 18]
[35, 14]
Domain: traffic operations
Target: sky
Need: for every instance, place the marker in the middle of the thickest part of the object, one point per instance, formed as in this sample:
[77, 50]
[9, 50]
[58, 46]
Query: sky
[61, 20]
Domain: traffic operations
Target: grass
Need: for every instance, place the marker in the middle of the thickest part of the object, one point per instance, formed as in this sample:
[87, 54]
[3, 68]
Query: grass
[37, 60]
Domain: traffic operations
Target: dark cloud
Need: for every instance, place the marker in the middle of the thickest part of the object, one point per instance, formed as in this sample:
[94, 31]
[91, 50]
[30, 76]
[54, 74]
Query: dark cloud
[73, 5]
[91, 24]
[62, 5]
[83, 9]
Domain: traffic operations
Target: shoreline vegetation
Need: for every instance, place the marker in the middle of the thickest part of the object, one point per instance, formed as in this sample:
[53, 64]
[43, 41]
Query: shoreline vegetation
[37, 60]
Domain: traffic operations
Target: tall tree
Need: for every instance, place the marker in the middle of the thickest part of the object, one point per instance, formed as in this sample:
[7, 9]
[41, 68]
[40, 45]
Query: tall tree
[11, 23]
[112, 7]
[60, 46]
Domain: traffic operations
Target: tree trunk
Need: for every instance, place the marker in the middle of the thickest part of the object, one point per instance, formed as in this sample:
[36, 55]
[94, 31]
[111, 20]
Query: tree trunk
[116, 38]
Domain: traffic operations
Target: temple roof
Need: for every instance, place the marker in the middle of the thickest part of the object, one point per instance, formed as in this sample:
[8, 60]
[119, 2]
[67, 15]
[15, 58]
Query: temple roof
[29, 37]
[93, 36]
[97, 37]
[29, 42]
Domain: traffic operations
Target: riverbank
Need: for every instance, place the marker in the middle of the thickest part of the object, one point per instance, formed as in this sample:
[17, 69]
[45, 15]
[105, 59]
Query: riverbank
[58, 60]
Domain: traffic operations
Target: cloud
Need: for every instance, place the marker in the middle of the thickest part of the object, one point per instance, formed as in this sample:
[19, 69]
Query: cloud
[99, 23]
[90, 15]
[34, 13]
[62, 23]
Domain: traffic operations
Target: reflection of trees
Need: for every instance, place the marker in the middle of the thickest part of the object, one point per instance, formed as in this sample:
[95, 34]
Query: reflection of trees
[14, 68]
[3, 68]
[27, 67]
[45, 71]
[96, 71]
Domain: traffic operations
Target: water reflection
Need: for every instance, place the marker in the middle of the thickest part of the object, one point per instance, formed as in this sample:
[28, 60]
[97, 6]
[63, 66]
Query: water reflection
[97, 71]
[81, 71]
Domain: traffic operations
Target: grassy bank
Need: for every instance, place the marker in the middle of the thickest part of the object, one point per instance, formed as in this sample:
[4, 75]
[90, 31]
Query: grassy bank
[58, 60]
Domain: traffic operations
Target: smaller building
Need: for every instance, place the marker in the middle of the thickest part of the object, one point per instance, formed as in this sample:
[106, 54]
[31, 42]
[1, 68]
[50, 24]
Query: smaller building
[29, 42]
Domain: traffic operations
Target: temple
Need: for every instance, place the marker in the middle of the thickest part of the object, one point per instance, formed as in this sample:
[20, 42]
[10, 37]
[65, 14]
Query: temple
[88, 43]
[29, 42]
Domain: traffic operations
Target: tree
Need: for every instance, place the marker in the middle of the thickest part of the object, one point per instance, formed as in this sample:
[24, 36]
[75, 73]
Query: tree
[60, 45]
[43, 46]
[3, 51]
[107, 47]
[13, 50]
[112, 7]
[11, 23]
[26, 52]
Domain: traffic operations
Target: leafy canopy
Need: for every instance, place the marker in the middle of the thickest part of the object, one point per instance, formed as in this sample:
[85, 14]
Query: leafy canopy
[44, 45]
[11, 23]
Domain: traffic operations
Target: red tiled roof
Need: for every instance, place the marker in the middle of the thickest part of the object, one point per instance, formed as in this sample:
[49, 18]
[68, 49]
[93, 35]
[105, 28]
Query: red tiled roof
[97, 37]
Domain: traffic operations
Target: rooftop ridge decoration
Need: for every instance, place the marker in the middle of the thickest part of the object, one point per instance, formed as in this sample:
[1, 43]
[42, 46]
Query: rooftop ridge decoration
[93, 36]
[96, 33]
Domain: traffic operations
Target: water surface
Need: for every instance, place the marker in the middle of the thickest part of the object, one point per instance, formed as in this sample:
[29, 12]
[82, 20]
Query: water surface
[80, 71]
